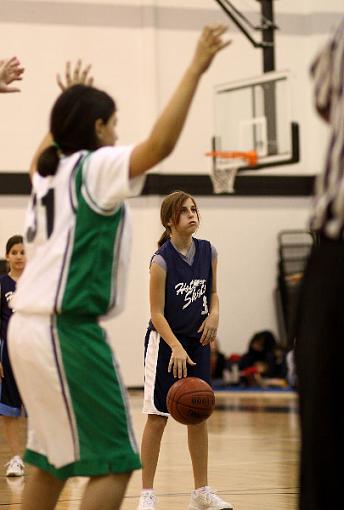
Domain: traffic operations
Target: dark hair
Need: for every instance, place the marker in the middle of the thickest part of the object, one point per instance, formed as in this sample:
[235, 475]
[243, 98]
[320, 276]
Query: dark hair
[170, 210]
[12, 241]
[72, 124]
[268, 340]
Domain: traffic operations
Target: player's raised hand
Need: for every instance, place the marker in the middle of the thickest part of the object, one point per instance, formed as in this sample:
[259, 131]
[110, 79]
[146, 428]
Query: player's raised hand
[10, 71]
[78, 75]
[209, 44]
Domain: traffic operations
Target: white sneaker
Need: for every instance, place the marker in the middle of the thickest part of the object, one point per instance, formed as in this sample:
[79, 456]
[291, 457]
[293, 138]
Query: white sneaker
[15, 467]
[206, 499]
[147, 501]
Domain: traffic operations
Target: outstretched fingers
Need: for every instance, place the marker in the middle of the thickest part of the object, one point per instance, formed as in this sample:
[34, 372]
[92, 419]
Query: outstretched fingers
[179, 366]
[215, 39]
[10, 71]
[210, 43]
[76, 76]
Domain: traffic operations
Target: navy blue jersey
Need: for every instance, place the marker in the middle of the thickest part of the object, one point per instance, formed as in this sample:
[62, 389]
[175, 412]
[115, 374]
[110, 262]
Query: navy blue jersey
[7, 289]
[188, 288]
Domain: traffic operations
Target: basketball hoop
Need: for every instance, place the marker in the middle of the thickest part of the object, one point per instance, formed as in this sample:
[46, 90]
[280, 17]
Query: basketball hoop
[225, 168]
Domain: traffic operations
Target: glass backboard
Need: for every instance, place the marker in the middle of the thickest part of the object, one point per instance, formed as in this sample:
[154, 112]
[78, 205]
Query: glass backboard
[255, 115]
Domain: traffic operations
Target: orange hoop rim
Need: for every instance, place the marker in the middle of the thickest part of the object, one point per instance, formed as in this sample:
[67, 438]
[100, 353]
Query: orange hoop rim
[250, 156]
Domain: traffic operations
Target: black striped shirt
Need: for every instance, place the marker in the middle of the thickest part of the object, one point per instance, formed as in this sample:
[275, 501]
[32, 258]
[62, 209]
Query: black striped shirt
[328, 74]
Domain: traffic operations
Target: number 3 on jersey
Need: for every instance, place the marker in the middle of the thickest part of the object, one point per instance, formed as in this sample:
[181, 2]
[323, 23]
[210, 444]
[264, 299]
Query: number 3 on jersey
[42, 216]
[205, 306]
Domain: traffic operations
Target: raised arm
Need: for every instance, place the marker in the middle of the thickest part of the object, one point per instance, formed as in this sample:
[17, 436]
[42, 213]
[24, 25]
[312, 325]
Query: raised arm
[169, 125]
[10, 71]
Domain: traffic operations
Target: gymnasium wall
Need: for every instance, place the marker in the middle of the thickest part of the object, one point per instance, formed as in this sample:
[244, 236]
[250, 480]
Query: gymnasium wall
[138, 50]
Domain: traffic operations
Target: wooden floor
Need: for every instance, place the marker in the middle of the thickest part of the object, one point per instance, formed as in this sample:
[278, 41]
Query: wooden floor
[253, 450]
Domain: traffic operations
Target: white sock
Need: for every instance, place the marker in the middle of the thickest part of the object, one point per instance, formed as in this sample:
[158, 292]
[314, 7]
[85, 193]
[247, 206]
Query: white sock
[201, 489]
[147, 491]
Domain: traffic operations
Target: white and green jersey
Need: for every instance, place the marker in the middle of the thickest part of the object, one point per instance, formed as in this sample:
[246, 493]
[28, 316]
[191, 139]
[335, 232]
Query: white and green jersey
[78, 236]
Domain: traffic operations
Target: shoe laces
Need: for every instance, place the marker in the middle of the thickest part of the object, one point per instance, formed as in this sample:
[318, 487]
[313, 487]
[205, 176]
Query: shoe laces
[209, 496]
[15, 461]
[148, 499]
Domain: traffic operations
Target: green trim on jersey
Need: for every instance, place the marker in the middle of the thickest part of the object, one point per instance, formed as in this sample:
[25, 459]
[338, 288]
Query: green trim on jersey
[83, 468]
[106, 443]
[89, 288]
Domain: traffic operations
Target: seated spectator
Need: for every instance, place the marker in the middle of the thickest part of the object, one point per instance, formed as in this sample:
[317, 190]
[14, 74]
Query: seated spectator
[264, 363]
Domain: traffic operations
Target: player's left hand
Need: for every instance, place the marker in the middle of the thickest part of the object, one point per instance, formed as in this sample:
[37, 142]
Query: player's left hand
[208, 329]
[1, 371]
[76, 76]
[10, 71]
[209, 44]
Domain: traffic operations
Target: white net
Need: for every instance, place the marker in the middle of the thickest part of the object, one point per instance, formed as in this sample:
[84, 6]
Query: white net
[225, 167]
[223, 179]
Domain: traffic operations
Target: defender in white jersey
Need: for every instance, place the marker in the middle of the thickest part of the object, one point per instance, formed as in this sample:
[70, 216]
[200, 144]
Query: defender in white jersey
[78, 233]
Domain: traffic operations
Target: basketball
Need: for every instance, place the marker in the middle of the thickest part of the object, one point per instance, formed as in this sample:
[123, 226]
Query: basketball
[190, 400]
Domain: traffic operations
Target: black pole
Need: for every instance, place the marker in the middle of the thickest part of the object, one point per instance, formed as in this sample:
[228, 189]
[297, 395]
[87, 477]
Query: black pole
[267, 13]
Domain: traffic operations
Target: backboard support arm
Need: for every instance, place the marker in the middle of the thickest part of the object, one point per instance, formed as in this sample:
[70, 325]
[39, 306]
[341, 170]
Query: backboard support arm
[267, 27]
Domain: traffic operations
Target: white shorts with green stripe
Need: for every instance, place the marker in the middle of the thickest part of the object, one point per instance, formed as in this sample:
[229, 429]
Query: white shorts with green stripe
[79, 421]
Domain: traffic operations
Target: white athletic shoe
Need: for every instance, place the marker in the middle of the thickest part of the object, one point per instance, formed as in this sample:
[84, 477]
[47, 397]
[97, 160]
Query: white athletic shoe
[147, 501]
[206, 499]
[15, 467]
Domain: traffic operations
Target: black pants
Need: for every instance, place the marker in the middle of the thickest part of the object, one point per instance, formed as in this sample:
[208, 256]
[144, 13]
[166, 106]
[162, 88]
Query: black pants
[320, 367]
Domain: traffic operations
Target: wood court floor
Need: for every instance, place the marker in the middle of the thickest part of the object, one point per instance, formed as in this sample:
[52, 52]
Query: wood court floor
[253, 457]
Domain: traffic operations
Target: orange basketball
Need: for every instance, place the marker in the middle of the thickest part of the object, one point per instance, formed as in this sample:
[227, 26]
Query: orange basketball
[190, 400]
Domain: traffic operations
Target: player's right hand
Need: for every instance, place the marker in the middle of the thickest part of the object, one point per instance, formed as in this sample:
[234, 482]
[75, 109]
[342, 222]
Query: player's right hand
[178, 362]
[209, 44]
[1, 371]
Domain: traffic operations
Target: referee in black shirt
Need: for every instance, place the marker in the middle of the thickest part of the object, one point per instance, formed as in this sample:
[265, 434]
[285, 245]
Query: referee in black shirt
[320, 325]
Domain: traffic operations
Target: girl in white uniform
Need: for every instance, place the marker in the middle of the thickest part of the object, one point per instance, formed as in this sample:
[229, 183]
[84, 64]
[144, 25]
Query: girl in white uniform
[78, 236]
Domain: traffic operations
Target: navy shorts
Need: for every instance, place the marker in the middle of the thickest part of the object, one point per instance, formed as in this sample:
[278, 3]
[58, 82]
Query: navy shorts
[158, 380]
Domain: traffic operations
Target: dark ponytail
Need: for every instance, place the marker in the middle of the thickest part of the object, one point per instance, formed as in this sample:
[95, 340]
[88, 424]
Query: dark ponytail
[48, 161]
[165, 237]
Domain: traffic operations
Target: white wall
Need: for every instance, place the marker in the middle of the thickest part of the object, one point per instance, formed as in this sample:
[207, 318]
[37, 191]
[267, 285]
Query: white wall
[138, 50]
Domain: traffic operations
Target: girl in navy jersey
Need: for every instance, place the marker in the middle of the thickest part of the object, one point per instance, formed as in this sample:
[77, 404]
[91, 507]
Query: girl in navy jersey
[184, 319]
[10, 401]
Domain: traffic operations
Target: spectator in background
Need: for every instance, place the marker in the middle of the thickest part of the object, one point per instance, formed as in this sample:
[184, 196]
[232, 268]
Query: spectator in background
[264, 362]
[10, 399]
